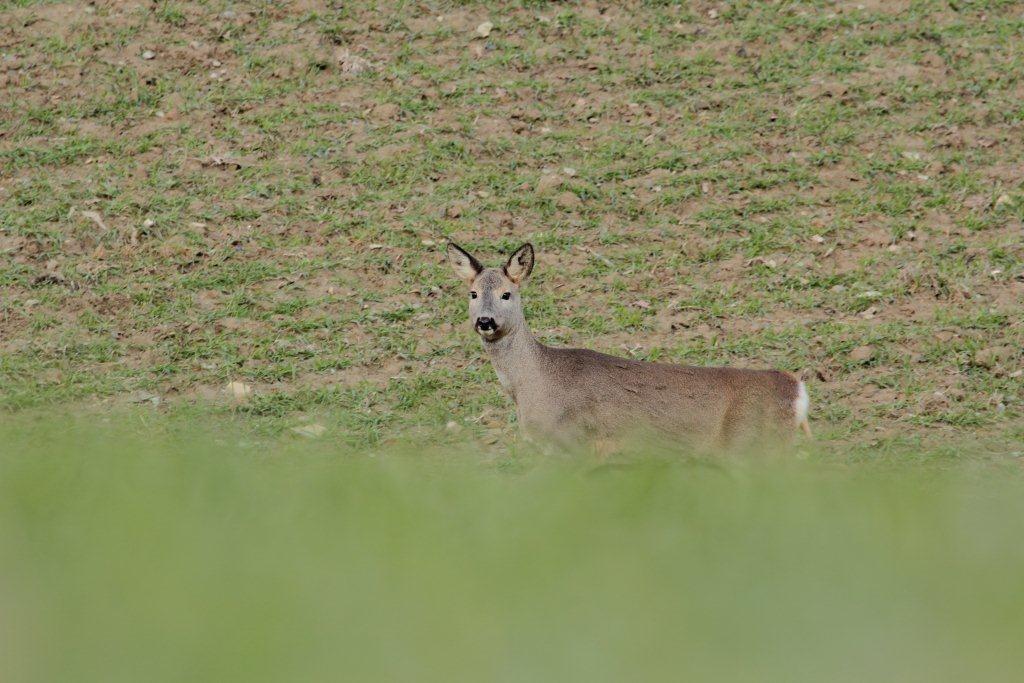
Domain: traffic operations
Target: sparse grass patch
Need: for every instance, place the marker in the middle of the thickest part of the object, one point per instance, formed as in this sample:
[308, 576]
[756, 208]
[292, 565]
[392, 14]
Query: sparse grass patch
[782, 184]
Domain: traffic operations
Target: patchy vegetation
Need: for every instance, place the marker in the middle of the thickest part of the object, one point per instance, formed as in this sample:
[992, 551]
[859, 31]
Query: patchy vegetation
[247, 436]
[193, 194]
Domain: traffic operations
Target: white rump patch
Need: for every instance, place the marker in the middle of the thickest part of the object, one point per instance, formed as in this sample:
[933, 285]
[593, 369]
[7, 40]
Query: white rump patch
[801, 404]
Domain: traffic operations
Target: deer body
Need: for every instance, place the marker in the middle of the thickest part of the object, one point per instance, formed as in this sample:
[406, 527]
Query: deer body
[573, 396]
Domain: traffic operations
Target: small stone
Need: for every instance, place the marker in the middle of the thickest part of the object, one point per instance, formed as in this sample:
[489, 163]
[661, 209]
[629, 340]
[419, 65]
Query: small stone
[484, 29]
[869, 313]
[567, 200]
[240, 391]
[453, 426]
[862, 354]
[148, 54]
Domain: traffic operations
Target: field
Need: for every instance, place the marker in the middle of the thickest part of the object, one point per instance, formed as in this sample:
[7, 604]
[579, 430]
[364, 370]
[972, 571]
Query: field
[240, 402]
[191, 556]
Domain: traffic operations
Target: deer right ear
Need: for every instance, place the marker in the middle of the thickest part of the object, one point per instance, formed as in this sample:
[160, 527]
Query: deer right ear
[520, 263]
[463, 263]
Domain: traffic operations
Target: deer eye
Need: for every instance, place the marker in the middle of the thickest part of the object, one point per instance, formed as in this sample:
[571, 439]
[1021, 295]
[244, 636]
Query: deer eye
[506, 296]
[472, 295]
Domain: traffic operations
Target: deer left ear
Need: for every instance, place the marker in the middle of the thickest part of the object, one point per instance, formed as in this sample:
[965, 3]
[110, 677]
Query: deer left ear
[520, 263]
[463, 263]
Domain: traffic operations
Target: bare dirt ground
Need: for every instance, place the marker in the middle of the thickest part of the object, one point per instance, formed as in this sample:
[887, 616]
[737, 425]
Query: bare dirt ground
[194, 194]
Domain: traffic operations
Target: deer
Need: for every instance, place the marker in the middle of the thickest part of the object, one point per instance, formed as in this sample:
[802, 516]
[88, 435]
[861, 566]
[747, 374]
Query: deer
[573, 397]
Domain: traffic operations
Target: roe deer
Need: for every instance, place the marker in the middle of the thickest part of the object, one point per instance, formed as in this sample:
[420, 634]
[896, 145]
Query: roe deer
[575, 396]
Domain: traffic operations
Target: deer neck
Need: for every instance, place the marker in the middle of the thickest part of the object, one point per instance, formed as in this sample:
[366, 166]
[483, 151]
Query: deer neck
[515, 358]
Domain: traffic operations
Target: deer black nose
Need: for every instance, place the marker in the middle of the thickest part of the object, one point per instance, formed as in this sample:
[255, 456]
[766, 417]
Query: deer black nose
[486, 324]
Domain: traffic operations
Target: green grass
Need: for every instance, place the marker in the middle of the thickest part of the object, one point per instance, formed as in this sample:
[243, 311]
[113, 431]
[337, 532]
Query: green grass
[140, 549]
[767, 184]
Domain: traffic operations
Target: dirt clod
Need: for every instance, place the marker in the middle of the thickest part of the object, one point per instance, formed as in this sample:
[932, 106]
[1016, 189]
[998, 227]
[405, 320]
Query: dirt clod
[863, 354]
[991, 356]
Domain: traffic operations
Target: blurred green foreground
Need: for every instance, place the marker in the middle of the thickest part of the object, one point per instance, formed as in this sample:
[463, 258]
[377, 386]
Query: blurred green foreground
[204, 557]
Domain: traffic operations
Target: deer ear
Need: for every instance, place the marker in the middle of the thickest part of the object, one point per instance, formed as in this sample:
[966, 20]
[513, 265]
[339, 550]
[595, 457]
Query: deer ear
[520, 263]
[463, 263]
